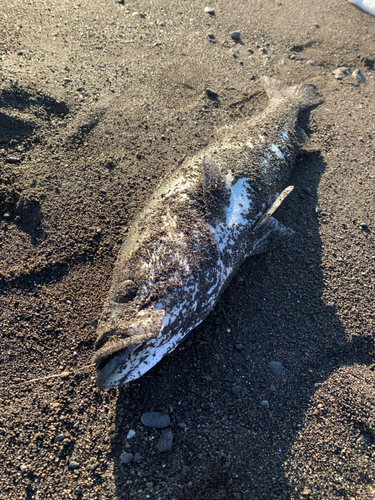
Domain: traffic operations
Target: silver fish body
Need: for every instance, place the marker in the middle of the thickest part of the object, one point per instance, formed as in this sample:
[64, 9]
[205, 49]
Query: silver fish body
[214, 211]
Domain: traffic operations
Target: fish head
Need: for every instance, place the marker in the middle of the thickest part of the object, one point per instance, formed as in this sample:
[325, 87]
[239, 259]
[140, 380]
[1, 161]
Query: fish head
[126, 357]
[133, 318]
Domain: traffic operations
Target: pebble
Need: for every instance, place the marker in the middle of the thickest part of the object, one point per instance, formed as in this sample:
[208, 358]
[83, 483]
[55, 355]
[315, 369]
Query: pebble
[311, 62]
[155, 419]
[264, 50]
[340, 73]
[358, 75]
[12, 159]
[209, 10]
[131, 434]
[137, 457]
[211, 36]
[308, 190]
[276, 368]
[166, 441]
[126, 458]
[239, 347]
[265, 403]
[365, 439]
[74, 465]
[236, 389]
[236, 35]
[364, 226]
[59, 438]
[24, 468]
[212, 93]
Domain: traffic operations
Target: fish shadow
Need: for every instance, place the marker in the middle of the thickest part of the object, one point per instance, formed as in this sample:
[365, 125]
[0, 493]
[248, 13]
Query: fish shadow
[232, 443]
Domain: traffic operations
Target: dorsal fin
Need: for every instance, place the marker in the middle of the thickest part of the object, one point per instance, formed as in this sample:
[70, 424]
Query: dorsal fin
[216, 191]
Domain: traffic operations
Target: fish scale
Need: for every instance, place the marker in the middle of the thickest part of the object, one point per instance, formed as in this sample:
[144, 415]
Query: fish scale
[214, 211]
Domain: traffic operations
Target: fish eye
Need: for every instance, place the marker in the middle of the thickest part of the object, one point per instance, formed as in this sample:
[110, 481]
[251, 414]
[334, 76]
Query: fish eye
[124, 292]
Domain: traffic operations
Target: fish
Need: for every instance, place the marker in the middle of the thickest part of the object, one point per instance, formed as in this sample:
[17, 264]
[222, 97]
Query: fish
[213, 211]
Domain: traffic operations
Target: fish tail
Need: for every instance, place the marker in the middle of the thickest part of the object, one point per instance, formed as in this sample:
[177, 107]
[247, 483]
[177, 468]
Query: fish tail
[304, 95]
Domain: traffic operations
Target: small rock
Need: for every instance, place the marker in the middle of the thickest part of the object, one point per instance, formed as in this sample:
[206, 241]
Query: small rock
[236, 35]
[6, 215]
[364, 439]
[59, 438]
[212, 93]
[126, 458]
[308, 190]
[92, 467]
[12, 159]
[211, 36]
[236, 389]
[239, 347]
[74, 465]
[311, 62]
[265, 403]
[302, 196]
[264, 50]
[137, 457]
[166, 441]
[181, 425]
[24, 468]
[209, 10]
[131, 434]
[364, 226]
[272, 388]
[155, 419]
[276, 368]
[358, 75]
[339, 75]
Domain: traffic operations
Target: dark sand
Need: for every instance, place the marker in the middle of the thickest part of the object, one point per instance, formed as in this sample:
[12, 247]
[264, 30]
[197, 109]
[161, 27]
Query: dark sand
[99, 104]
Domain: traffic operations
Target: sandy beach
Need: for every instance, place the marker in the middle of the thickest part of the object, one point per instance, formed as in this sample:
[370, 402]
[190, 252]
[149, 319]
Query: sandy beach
[98, 102]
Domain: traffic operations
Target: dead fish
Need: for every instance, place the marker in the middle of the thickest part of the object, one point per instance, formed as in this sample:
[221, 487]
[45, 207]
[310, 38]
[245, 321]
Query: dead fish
[213, 212]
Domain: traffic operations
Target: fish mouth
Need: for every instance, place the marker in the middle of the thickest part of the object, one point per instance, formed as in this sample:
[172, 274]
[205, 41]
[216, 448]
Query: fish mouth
[115, 370]
[121, 359]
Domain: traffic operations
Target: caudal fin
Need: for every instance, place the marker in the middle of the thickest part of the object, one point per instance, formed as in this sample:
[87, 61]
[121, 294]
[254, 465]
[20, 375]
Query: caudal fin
[303, 95]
